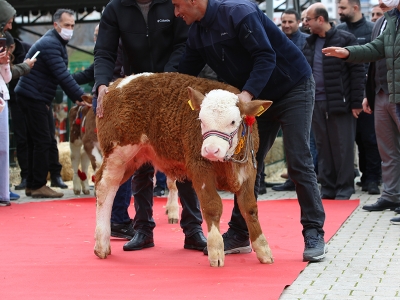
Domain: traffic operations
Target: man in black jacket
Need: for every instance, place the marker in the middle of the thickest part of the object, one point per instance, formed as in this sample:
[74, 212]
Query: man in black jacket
[153, 40]
[369, 159]
[36, 91]
[338, 102]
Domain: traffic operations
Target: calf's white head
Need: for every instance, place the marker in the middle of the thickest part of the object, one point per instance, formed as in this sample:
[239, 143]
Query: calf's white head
[221, 114]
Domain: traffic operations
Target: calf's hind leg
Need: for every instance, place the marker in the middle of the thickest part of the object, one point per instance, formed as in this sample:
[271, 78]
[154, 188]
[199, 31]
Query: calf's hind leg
[249, 210]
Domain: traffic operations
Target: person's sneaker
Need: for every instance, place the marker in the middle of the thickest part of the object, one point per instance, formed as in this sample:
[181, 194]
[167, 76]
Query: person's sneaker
[395, 221]
[315, 247]
[234, 243]
[46, 192]
[4, 203]
[13, 196]
[123, 230]
[158, 191]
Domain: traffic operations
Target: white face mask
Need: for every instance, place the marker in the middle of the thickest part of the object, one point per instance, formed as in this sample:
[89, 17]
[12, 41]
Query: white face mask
[65, 33]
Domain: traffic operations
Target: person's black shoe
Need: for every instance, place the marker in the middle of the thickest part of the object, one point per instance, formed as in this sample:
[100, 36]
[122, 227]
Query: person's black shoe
[373, 188]
[287, 186]
[395, 221]
[359, 183]
[262, 189]
[58, 182]
[22, 185]
[314, 246]
[195, 242]
[234, 243]
[138, 242]
[397, 210]
[381, 204]
[158, 191]
[123, 230]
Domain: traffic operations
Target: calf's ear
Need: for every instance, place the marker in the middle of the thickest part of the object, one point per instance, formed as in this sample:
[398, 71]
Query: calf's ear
[254, 108]
[195, 98]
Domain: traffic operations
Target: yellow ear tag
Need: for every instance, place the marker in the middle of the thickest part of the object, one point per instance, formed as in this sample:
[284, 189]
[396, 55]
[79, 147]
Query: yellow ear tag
[260, 111]
[190, 104]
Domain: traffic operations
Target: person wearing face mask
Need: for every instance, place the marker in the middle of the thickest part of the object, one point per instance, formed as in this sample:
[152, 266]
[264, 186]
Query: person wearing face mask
[35, 93]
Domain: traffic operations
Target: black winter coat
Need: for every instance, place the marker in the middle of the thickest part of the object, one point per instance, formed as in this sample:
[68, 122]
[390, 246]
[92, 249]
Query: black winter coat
[344, 82]
[153, 47]
[50, 70]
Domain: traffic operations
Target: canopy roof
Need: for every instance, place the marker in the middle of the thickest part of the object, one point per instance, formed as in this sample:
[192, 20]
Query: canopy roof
[34, 9]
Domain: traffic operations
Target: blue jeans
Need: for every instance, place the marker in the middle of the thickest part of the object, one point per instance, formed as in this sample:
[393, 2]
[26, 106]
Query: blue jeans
[292, 113]
[161, 180]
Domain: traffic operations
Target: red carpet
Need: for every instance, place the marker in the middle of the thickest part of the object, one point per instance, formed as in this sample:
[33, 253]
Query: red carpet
[47, 253]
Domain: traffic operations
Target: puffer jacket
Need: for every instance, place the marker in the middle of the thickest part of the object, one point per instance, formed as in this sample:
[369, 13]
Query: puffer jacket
[49, 70]
[344, 82]
[387, 45]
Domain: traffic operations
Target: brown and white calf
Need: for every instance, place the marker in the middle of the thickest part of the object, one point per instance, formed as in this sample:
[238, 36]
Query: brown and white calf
[147, 118]
[84, 146]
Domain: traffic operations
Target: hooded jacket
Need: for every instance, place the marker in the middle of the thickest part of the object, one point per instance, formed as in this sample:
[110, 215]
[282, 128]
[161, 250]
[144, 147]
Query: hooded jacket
[344, 82]
[49, 71]
[246, 49]
[6, 13]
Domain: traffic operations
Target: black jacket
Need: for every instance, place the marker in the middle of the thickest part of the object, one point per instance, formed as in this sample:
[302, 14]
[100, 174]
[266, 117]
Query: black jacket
[362, 30]
[153, 47]
[49, 71]
[246, 49]
[344, 82]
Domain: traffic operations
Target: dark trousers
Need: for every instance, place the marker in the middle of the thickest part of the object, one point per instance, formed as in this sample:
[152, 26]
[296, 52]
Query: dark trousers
[369, 158]
[42, 145]
[142, 189]
[335, 143]
[293, 114]
[161, 180]
[20, 135]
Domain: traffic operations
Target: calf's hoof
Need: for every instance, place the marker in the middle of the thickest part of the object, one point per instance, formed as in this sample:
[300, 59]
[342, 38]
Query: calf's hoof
[216, 260]
[172, 221]
[77, 192]
[86, 192]
[101, 253]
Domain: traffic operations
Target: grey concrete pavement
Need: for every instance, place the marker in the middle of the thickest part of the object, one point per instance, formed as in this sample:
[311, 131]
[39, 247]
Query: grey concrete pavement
[363, 261]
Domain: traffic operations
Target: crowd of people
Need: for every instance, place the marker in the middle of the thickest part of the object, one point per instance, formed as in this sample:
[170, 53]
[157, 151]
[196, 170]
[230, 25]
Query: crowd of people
[333, 87]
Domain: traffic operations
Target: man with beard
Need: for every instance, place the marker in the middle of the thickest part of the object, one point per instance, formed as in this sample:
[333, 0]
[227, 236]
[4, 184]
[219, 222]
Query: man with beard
[369, 159]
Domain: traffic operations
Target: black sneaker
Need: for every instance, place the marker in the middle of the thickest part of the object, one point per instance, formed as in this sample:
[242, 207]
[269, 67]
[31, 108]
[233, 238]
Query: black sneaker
[123, 231]
[158, 191]
[395, 221]
[233, 243]
[315, 247]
